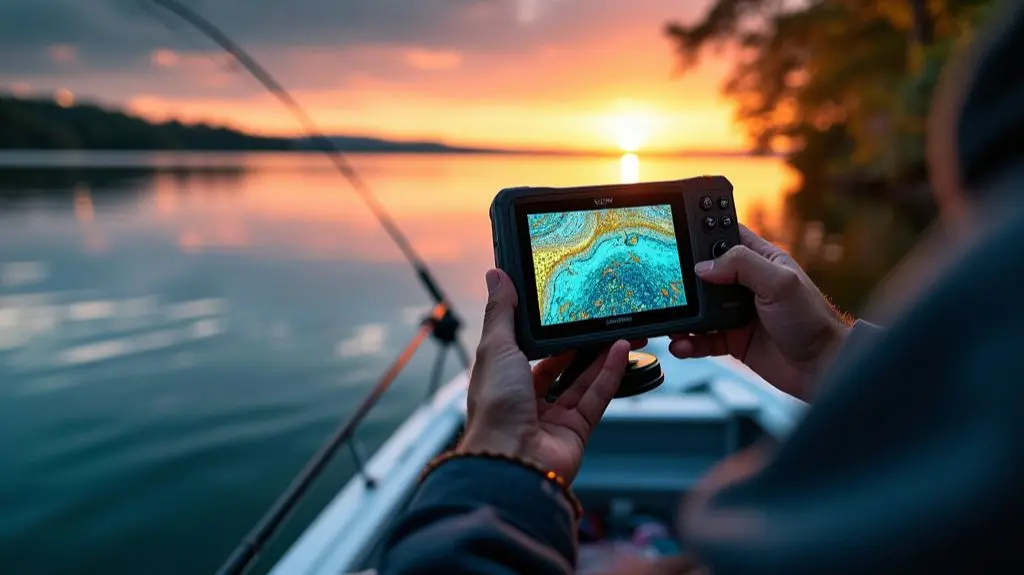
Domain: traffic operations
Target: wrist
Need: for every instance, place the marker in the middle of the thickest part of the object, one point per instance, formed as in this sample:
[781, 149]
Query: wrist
[832, 341]
[835, 341]
[479, 440]
[549, 475]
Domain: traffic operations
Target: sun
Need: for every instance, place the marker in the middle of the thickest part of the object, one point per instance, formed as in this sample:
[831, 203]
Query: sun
[632, 130]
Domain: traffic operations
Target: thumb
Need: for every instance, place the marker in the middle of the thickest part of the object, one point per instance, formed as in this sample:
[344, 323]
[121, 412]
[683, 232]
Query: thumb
[767, 279]
[499, 315]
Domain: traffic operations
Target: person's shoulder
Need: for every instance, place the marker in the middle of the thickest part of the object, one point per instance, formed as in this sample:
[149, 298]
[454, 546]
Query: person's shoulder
[980, 281]
[997, 243]
[964, 304]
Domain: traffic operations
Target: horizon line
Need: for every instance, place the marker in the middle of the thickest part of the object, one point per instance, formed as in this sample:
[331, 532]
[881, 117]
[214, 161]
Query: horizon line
[440, 144]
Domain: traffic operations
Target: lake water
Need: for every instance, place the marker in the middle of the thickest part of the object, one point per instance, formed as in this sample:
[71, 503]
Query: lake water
[175, 343]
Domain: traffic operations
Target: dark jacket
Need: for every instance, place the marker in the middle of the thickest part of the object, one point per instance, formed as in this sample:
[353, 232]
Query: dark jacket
[485, 517]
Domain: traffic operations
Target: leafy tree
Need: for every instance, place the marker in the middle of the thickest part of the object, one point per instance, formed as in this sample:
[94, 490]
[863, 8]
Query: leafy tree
[842, 85]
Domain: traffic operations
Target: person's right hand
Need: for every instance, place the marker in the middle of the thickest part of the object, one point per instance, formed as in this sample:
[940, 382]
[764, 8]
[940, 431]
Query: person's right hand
[796, 332]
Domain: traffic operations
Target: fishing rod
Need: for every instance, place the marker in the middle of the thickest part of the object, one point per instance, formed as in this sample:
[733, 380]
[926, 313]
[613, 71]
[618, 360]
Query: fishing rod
[442, 323]
[450, 325]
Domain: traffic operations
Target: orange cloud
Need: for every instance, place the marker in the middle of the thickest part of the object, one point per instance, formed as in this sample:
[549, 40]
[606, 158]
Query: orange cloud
[164, 58]
[433, 60]
[21, 89]
[63, 53]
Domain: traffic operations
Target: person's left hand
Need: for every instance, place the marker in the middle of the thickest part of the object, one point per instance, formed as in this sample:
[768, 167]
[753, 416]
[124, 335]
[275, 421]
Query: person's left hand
[508, 414]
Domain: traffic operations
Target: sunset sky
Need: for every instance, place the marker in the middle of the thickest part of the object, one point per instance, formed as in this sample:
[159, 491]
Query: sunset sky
[570, 74]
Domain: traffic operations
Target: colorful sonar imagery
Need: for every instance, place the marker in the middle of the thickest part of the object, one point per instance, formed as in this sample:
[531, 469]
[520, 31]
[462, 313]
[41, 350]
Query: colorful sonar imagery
[600, 263]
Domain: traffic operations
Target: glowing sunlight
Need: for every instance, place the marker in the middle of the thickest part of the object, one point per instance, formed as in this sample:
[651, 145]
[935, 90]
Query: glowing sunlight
[632, 130]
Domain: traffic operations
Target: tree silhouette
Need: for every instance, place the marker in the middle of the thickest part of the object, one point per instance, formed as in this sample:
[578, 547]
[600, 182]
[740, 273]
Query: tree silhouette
[43, 124]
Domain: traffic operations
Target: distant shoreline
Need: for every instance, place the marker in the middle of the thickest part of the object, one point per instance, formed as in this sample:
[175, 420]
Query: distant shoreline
[7, 154]
[34, 162]
[42, 126]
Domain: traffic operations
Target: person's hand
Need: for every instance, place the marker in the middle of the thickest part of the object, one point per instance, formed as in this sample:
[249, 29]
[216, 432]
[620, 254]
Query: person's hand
[796, 332]
[507, 410]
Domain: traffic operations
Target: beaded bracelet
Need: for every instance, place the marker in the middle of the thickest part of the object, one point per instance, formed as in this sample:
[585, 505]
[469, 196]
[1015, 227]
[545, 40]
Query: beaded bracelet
[556, 479]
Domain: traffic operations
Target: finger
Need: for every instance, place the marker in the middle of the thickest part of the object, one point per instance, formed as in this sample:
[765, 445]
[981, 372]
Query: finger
[757, 244]
[571, 395]
[743, 266]
[499, 315]
[635, 344]
[602, 388]
[691, 346]
[547, 370]
[770, 251]
[682, 348]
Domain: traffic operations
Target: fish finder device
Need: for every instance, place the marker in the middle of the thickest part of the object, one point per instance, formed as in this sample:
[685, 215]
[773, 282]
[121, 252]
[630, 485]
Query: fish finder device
[599, 263]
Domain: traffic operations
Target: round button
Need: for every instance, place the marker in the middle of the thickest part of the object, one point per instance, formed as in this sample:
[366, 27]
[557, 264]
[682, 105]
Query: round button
[707, 203]
[723, 203]
[710, 223]
[719, 248]
[725, 221]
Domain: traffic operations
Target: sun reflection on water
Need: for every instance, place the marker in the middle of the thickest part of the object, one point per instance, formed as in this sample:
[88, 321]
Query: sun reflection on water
[629, 169]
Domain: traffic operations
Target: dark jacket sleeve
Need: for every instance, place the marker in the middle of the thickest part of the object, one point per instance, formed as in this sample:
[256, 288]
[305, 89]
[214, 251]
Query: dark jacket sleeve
[485, 517]
[910, 460]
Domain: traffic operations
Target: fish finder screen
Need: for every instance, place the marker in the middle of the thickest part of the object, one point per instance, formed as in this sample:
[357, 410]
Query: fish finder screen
[602, 263]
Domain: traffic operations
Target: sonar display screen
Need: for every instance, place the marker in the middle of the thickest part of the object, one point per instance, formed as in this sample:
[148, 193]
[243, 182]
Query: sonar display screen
[601, 263]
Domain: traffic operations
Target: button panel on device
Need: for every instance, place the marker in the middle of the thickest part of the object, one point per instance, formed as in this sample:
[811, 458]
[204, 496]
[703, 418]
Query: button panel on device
[719, 234]
[715, 228]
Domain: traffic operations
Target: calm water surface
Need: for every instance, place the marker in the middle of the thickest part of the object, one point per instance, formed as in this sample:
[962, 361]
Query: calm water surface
[174, 344]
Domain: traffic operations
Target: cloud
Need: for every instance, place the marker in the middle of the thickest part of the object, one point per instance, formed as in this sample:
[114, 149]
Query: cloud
[433, 59]
[164, 58]
[113, 34]
[21, 89]
[529, 11]
[63, 53]
[123, 34]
